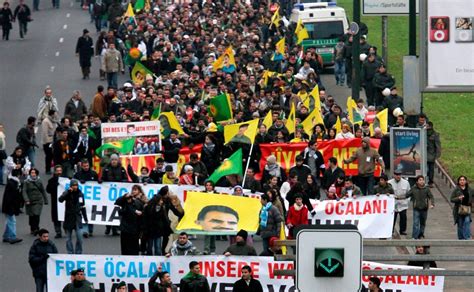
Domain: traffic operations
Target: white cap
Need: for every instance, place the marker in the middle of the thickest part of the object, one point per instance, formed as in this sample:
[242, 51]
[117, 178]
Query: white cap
[127, 84]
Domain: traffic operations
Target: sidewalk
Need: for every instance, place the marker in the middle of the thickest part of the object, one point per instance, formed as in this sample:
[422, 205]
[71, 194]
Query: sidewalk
[440, 226]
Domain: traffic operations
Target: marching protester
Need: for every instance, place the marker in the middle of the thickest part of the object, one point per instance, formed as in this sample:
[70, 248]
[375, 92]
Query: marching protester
[3, 153]
[240, 247]
[270, 221]
[38, 256]
[18, 163]
[35, 197]
[74, 214]
[11, 207]
[400, 188]
[6, 20]
[23, 14]
[52, 189]
[26, 139]
[422, 200]
[182, 246]
[131, 220]
[83, 175]
[247, 283]
[79, 282]
[48, 129]
[462, 197]
[433, 150]
[85, 51]
[165, 283]
[194, 281]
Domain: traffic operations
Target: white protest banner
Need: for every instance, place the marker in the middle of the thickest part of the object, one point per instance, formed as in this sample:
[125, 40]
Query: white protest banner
[100, 198]
[403, 283]
[106, 271]
[129, 129]
[373, 215]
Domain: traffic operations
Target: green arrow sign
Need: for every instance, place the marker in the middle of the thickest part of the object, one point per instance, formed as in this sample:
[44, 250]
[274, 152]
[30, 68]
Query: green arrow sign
[329, 262]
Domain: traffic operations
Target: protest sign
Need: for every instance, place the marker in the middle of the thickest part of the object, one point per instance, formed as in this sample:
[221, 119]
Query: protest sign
[408, 151]
[100, 198]
[147, 135]
[403, 283]
[373, 215]
[218, 214]
[286, 153]
[106, 271]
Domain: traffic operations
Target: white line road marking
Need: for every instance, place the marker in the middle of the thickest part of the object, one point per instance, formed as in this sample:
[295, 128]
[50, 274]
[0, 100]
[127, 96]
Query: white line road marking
[68, 15]
[61, 40]
[52, 69]
[65, 26]
[72, 4]
[57, 54]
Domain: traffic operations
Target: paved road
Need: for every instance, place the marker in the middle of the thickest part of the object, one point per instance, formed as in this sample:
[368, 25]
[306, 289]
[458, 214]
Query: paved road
[46, 57]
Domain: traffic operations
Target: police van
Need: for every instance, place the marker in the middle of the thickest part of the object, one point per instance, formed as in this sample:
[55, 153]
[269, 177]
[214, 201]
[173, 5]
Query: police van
[325, 22]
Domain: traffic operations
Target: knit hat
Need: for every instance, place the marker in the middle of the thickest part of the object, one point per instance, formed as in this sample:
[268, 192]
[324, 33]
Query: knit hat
[242, 233]
[121, 284]
[188, 168]
[272, 240]
[74, 182]
[332, 189]
[271, 159]
[366, 140]
[168, 168]
[114, 156]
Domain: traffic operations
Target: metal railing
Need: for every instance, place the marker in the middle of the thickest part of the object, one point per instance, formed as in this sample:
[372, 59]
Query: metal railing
[402, 257]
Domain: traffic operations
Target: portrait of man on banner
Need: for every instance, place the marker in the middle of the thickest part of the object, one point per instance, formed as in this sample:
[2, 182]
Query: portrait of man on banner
[219, 214]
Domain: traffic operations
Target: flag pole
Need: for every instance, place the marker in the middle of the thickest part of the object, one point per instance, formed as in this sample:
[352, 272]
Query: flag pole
[246, 167]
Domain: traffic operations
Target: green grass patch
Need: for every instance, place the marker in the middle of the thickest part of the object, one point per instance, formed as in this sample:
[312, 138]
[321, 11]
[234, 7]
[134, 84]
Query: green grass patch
[450, 112]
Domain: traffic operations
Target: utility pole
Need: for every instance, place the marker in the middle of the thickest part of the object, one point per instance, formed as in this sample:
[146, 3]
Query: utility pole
[356, 54]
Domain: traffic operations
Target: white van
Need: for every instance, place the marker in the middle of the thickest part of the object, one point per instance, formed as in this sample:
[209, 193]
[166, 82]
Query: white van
[325, 23]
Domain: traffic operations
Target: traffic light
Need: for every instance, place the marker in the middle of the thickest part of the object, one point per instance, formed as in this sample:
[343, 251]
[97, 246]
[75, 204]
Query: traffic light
[329, 262]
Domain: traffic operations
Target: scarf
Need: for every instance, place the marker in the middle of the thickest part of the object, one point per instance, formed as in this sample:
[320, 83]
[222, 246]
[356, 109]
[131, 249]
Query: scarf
[264, 215]
[273, 170]
[83, 140]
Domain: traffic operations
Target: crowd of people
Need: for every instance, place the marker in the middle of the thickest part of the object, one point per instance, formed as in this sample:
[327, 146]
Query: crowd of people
[179, 44]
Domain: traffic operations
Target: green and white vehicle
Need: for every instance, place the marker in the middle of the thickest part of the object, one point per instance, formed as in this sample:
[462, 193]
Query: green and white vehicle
[325, 23]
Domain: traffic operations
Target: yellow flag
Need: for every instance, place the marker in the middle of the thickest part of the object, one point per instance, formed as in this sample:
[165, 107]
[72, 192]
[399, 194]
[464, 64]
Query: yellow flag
[338, 125]
[266, 75]
[282, 237]
[280, 46]
[168, 121]
[147, 5]
[129, 12]
[380, 121]
[242, 133]
[312, 101]
[312, 120]
[268, 121]
[301, 32]
[225, 60]
[276, 18]
[290, 121]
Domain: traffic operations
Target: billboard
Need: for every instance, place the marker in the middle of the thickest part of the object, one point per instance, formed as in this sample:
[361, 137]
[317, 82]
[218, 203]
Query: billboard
[447, 45]
[387, 7]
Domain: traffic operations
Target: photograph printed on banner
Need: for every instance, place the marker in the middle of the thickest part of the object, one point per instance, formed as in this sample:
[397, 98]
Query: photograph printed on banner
[408, 151]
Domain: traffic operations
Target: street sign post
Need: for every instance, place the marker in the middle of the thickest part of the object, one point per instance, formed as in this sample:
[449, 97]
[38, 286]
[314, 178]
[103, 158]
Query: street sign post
[328, 258]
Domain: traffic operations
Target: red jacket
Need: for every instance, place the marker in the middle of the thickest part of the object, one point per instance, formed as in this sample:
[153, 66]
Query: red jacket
[296, 218]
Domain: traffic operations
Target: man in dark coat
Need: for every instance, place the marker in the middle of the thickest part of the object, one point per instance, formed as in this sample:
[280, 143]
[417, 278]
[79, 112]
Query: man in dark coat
[52, 189]
[23, 13]
[131, 211]
[433, 149]
[194, 281]
[74, 212]
[85, 51]
[165, 284]
[26, 139]
[84, 175]
[247, 283]
[12, 200]
[38, 256]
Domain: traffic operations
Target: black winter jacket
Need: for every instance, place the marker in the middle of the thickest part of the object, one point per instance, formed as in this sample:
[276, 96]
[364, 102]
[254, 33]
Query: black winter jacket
[38, 256]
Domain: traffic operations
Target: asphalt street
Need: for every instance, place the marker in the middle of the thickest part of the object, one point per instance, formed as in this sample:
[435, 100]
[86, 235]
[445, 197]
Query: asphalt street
[44, 58]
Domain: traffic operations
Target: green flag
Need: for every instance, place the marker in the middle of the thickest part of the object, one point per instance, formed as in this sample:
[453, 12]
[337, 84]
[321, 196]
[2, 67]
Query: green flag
[220, 108]
[91, 133]
[156, 113]
[231, 165]
[139, 5]
[124, 146]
